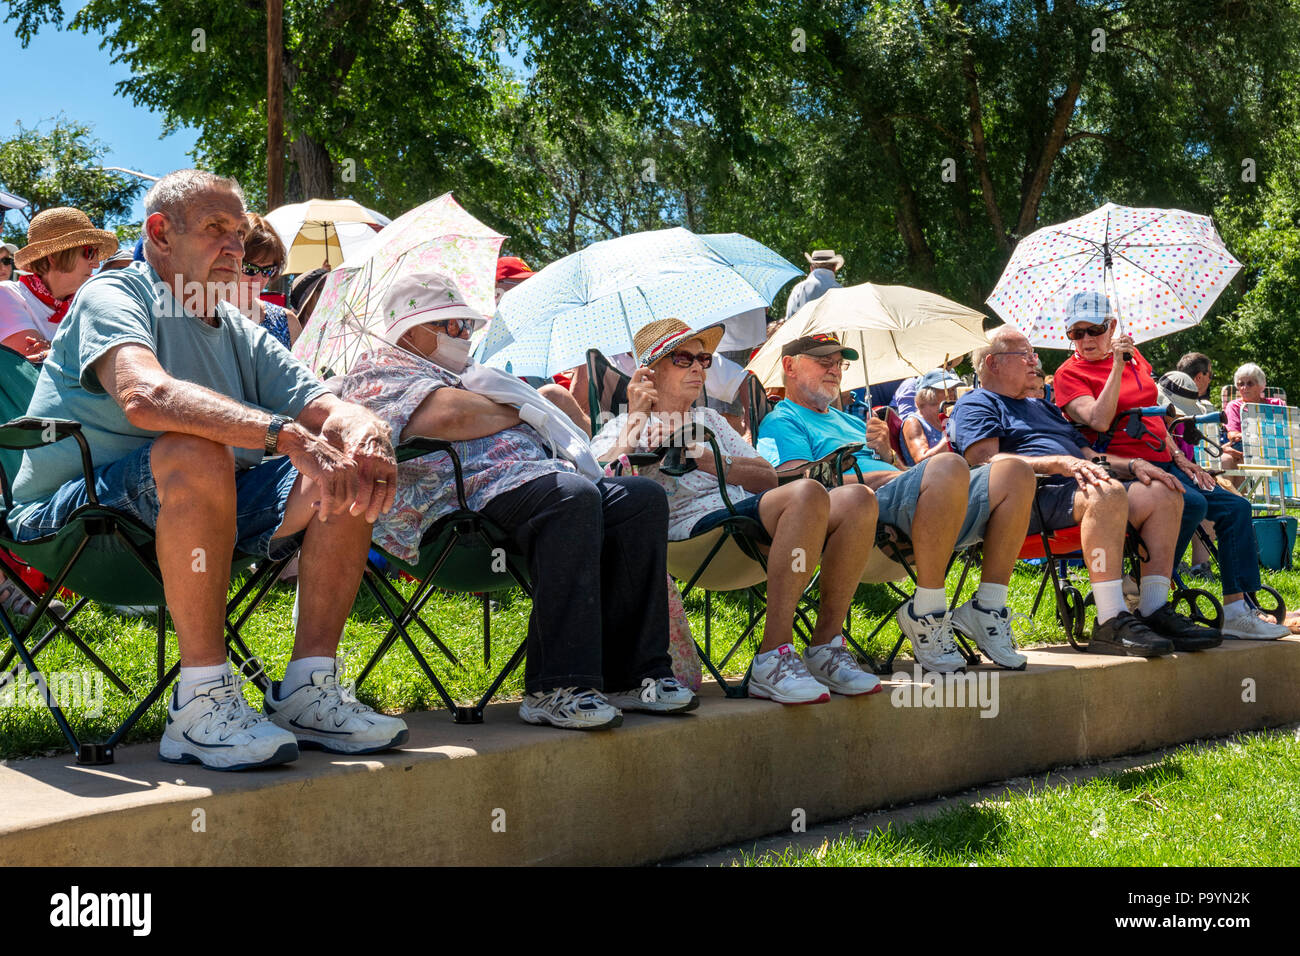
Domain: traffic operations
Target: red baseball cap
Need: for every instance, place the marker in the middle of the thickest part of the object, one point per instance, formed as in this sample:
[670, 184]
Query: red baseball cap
[512, 267]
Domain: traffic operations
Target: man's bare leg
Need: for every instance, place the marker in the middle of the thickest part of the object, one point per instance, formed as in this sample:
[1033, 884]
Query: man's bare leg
[1011, 498]
[850, 536]
[940, 510]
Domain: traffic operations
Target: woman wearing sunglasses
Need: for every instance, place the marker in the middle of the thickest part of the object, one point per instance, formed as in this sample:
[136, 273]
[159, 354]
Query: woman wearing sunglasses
[836, 529]
[63, 250]
[1093, 387]
[7, 252]
[264, 257]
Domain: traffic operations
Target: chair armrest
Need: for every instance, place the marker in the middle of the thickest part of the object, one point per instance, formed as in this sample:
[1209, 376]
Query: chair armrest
[829, 469]
[24, 434]
[419, 447]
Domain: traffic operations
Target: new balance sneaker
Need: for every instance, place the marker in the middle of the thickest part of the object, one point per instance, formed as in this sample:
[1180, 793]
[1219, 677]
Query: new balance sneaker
[573, 708]
[782, 676]
[933, 645]
[991, 632]
[323, 715]
[218, 730]
[1249, 626]
[661, 696]
[831, 664]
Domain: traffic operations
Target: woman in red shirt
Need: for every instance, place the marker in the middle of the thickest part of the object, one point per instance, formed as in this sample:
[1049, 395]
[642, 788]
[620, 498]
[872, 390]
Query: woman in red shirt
[1093, 386]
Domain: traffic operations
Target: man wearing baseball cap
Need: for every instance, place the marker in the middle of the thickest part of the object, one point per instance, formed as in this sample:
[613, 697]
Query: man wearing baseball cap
[940, 504]
[511, 270]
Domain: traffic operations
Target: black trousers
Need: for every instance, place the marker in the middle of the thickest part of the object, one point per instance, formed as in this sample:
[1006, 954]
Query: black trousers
[597, 554]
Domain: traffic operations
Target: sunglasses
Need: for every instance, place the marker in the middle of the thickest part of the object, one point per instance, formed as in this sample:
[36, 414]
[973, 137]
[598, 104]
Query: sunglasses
[266, 272]
[90, 253]
[7, 261]
[687, 359]
[1096, 331]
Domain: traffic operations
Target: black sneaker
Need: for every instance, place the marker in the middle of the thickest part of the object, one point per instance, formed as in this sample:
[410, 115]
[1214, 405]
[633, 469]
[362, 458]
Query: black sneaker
[1126, 635]
[1185, 634]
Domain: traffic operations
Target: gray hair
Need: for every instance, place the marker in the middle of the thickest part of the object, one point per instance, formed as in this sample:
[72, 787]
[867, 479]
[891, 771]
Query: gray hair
[1250, 370]
[927, 395]
[171, 194]
[980, 356]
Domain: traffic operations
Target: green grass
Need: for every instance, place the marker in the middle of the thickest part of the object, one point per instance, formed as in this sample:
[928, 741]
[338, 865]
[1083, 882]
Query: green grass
[398, 685]
[1229, 805]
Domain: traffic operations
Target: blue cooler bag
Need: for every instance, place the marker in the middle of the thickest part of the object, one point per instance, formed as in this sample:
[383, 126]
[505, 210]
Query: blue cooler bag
[1275, 541]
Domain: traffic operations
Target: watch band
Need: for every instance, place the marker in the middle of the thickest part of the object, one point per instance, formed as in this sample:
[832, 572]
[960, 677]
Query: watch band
[273, 434]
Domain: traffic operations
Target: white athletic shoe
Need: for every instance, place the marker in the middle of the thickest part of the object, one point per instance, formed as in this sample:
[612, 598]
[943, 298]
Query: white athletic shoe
[323, 715]
[661, 696]
[218, 730]
[991, 632]
[932, 642]
[831, 664]
[572, 708]
[782, 676]
[1249, 626]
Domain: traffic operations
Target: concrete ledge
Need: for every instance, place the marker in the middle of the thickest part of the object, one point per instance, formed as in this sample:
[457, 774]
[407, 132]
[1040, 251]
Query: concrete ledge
[655, 788]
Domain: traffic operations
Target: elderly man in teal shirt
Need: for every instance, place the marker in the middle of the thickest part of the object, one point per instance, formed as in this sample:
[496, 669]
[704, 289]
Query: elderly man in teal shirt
[203, 427]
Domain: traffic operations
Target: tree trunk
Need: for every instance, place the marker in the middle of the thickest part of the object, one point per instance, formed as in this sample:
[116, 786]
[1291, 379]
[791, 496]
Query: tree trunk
[1063, 111]
[314, 168]
[907, 212]
[976, 118]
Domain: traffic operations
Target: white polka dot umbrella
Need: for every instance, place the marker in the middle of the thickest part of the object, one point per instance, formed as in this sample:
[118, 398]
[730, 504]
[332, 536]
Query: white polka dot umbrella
[1161, 268]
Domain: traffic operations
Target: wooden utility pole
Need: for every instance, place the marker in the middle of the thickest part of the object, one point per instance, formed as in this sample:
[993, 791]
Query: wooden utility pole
[274, 104]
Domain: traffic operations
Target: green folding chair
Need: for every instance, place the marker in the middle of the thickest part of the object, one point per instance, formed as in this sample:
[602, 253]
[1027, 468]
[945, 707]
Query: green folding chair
[465, 552]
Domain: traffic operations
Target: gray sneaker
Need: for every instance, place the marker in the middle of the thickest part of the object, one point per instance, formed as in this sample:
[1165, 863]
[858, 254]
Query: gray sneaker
[572, 708]
[661, 696]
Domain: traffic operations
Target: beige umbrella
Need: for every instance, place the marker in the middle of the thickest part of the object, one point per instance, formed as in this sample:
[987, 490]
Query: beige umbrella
[321, 229]
[897, 331]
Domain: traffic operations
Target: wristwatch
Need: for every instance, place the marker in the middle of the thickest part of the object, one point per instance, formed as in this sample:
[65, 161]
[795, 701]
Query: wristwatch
[273, 434]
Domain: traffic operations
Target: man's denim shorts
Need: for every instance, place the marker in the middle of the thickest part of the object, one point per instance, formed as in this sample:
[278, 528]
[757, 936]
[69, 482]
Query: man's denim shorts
[127, 485]
[897, 499]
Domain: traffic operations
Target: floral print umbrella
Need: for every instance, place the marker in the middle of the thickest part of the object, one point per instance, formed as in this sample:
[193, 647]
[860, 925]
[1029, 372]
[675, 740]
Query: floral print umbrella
[1161, 268]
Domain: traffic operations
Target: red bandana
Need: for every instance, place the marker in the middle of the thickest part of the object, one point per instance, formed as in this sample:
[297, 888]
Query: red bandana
[46, 297]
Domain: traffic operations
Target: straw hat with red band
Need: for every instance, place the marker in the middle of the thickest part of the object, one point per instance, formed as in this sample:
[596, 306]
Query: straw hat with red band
[658, 339]
[419, 299]
[62, 228]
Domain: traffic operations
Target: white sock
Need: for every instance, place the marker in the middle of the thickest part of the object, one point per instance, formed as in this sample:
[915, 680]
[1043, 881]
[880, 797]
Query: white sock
[1153, 592]
[192, 677]
[298, 673]
[929, 601]
[1233, 608]
[992, 597]
[1109, 598]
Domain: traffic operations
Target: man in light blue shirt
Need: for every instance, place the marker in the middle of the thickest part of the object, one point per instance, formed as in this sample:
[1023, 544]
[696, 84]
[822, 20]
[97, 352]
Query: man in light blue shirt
[940, 505]
[821, 279]
[203, 427]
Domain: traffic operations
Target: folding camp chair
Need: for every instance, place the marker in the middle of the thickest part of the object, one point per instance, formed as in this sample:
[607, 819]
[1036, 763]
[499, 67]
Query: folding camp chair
[103, 555]
[462, 551]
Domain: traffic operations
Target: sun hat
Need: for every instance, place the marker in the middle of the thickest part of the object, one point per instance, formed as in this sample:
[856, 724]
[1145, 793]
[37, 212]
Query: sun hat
[939, 378]
[512, 267]
[825, 258]
[1090, 307]
[54, 230]
[823, 343]
[417, 299]
[657, 339]
[9, 247]
[1178, 389]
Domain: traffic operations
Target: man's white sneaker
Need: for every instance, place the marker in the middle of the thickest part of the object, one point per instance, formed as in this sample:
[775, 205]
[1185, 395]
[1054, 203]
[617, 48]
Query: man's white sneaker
[572, 708]
[1251, 627]
[932, 642]
[218, 729]
[661, 696]
[781, 675]
[991, 632]
[831, 664]
[323, 715]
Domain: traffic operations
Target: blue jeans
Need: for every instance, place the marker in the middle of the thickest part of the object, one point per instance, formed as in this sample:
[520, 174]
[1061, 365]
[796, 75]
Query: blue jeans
[1238, 558]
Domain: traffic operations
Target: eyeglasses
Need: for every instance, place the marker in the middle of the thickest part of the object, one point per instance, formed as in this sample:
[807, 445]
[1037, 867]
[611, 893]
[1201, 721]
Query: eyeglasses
[1025, 354]
[1096, 331]
[266, 272]
[687, 359]
[829, 363]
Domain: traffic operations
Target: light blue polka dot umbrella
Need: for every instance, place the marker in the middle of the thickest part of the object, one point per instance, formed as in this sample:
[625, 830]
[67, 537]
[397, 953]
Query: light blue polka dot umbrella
[599, 296]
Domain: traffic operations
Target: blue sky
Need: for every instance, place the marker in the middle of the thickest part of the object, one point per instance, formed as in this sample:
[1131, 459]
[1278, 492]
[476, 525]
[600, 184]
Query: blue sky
[66, 72]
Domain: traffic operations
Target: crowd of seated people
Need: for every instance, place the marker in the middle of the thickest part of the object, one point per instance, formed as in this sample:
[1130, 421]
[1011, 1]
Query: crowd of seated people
[204, 427]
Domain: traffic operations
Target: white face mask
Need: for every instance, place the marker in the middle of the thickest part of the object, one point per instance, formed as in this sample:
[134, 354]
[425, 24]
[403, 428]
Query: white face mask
[451, 353]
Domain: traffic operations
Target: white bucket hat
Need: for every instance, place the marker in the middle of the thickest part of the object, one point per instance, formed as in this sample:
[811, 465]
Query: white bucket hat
[418, 299]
